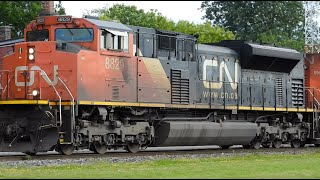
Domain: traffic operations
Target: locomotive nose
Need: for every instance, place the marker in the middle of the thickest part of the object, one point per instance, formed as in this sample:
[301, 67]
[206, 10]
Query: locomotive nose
[28, 68]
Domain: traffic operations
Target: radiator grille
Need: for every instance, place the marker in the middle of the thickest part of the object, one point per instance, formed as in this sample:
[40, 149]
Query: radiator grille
[179, 88]
[297, 92]
[279, 92]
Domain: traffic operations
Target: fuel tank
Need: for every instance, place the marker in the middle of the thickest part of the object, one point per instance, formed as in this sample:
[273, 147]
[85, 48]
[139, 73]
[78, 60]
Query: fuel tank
[190, 133]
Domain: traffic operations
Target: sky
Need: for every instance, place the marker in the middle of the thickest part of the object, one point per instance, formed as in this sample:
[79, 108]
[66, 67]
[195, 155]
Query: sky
[174, 10]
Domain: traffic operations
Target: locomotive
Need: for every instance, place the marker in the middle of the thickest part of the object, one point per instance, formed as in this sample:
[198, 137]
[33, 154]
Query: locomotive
[83, 83]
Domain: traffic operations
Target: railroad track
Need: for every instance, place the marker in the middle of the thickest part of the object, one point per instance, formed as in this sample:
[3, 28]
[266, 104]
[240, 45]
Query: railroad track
[151, 152]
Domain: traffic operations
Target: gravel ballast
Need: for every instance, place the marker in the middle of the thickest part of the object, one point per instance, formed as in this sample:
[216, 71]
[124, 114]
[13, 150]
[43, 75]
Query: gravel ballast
[135, 159]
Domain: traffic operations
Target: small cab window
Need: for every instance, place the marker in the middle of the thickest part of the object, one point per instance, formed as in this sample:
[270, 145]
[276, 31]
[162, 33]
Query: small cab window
[74, 35]
[167, 42]
[39, 35]
[114, 40]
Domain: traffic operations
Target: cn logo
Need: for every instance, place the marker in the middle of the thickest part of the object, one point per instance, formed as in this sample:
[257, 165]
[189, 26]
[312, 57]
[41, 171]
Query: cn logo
[32, 71]
[222, 67]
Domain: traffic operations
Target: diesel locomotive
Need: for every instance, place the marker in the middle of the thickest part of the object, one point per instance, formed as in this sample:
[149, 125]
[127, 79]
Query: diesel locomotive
[83, 83]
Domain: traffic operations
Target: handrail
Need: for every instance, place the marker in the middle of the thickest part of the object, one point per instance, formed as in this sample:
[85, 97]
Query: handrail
[314, 97]
[5, 88]
[265, 86]
[72, 111]
[7, 85]
[315, 114]
[249, 83]
[317, 89]
[51, 84]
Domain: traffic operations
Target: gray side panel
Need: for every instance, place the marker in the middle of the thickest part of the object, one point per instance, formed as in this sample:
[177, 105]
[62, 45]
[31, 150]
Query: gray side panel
[297, 80]
[263, 88]
[218, 71]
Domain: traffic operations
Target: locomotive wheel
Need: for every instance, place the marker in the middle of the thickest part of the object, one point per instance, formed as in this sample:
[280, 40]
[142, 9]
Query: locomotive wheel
[225, 146]
[66, 149]
[295, 143]
[133, 147]
[99, 148]
[276, 143]
[256, 144]
[303, 143]
[246, 146]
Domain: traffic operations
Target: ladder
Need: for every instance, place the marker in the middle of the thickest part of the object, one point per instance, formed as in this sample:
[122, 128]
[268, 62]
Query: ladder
[316, 117]
[59, 121]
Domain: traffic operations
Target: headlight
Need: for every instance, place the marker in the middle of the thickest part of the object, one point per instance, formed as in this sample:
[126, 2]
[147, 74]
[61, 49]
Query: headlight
[31, 53]
[35, 92]
[31, 50]
[31, 56]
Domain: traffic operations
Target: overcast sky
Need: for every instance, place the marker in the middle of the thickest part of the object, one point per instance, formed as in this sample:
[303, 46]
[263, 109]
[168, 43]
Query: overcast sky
[174, 10]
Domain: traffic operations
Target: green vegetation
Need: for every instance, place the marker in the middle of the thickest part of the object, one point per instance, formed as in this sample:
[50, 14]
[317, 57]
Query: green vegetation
[153, 19]
[27, 157]
[279, 22]
[60, 9]
[250, 166]
[18, 14]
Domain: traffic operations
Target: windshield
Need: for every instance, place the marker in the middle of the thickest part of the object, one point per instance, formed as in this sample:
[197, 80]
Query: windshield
[39, 35]
[74, 35]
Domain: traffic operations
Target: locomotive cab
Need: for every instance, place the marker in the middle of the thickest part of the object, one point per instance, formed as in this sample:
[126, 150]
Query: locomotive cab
[48, 53]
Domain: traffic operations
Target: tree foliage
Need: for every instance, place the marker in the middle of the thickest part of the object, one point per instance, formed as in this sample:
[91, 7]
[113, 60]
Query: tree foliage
[60, 9]
[18, 14]
[153, 19]
[278, 21]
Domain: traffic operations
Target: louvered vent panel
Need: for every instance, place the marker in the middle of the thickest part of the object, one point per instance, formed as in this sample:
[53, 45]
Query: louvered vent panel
[179, 88]
[297, 92]
[279, 92]
[115, 92]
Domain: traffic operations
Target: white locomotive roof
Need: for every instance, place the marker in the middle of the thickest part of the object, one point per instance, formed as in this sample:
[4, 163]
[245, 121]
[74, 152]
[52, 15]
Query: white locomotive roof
[10, 41]
[109, 25]
[220, 49]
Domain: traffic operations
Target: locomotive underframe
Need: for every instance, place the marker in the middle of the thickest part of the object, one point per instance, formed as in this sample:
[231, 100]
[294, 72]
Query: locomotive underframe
[28, 129]
[34, 128]
[172, 127]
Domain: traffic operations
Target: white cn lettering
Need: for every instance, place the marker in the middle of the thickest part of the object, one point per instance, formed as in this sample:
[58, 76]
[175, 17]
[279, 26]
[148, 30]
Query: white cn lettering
[316, 72]
[32, 71]
[222, 67]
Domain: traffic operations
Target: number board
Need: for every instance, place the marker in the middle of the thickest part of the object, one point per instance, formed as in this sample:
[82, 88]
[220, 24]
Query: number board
[63, 19]
[114, 63]
[40, 20]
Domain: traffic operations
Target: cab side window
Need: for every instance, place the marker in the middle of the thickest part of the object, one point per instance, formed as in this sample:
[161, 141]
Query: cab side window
[114, 40]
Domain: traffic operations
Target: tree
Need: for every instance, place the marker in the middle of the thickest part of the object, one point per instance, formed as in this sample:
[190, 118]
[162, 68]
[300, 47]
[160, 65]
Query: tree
[133, 16]
[18, 14]
[153, 19]
[279, 21]
[60, 9]
[282, 40]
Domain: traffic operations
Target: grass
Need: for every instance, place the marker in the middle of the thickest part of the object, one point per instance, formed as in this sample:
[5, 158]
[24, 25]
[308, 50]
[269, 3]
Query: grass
[294, 166]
